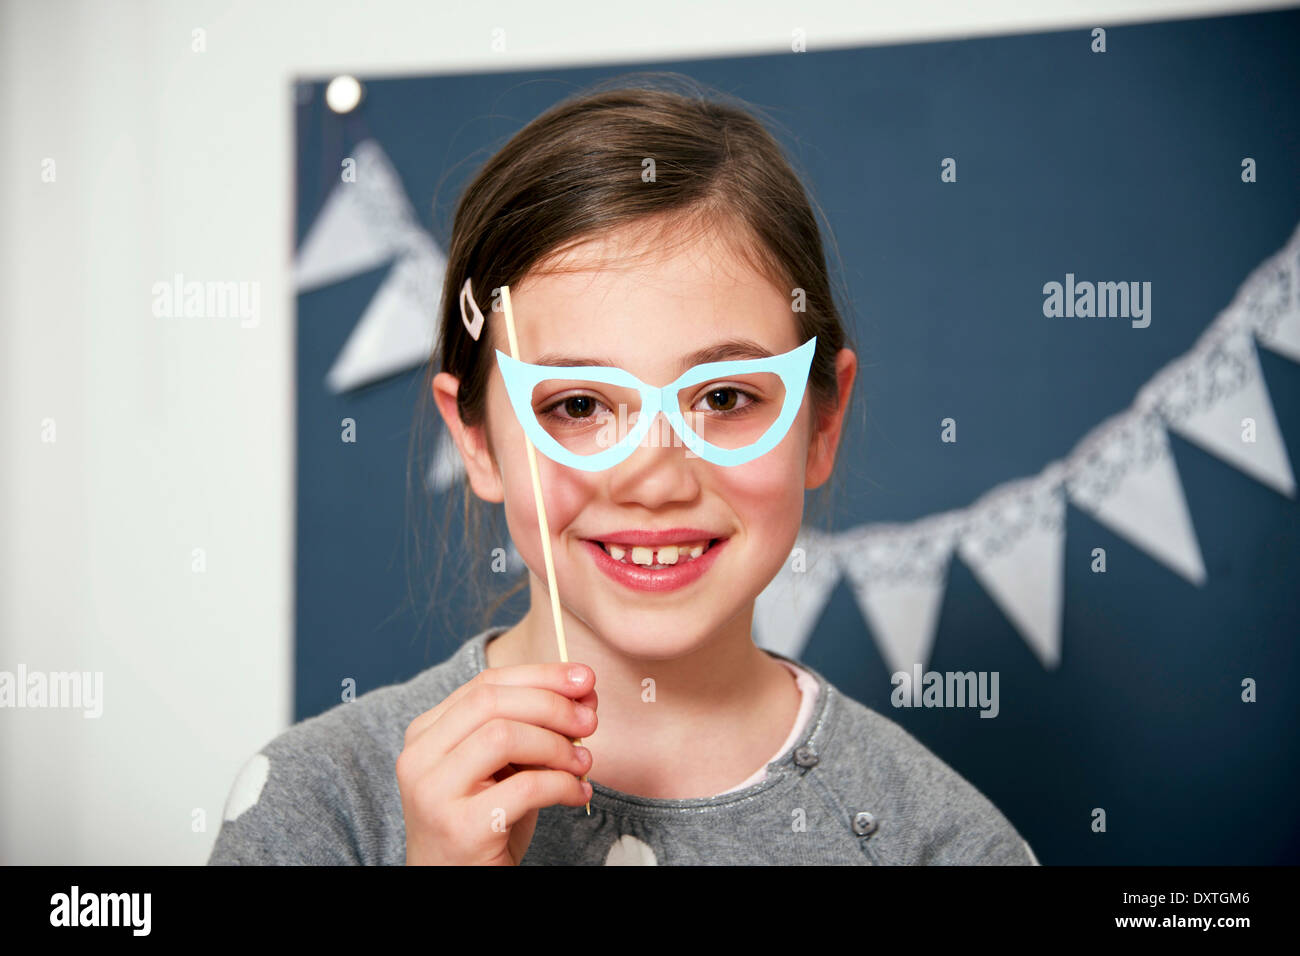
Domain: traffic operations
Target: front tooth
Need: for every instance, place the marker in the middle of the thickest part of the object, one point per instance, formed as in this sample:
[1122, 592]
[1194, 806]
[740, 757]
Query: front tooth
[642, 555]
[668, 554]
[616, 552]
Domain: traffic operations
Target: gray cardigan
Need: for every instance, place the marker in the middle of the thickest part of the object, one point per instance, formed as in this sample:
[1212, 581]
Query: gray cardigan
[855, 788]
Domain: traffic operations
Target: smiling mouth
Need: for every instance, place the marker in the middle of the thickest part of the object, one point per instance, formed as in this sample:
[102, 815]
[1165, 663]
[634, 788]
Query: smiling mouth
[656, 559]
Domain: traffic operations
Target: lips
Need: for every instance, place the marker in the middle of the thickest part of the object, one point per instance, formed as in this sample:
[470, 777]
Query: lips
[670, 578]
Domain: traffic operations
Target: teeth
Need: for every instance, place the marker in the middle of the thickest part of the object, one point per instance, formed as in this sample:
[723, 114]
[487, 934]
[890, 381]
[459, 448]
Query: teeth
[667, 556]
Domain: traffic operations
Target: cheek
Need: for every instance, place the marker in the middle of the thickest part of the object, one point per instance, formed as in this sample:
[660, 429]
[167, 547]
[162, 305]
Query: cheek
[770, 488]
[766, 499]
[766, 494]
[566, 492]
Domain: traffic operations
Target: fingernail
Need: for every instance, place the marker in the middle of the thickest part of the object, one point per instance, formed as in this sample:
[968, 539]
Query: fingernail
[583, 711]
[577, 675]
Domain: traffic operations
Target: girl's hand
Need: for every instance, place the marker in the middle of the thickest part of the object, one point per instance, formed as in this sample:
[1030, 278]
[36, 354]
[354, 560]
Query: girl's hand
[475, 769]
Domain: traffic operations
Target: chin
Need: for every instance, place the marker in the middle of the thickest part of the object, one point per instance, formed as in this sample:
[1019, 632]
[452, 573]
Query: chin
[653, 636]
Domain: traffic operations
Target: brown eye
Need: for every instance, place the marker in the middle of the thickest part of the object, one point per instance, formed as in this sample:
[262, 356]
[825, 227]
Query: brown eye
[579, 406]
[722, 406]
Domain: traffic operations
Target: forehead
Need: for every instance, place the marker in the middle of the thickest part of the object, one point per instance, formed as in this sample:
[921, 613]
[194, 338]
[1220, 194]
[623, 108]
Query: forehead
[649, 305]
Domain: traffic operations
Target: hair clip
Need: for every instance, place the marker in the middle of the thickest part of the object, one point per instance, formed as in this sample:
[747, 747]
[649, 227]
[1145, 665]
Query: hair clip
[475, 327]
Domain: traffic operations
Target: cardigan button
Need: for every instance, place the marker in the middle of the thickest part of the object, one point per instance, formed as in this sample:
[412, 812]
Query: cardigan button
[805, 756]
[864, 823]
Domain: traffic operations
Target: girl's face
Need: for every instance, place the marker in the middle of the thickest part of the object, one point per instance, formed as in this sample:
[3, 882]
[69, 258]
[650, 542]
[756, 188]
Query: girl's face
[646, 316]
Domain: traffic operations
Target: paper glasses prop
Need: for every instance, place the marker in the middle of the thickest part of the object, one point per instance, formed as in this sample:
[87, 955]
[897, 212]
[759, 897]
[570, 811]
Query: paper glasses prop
[773, 388]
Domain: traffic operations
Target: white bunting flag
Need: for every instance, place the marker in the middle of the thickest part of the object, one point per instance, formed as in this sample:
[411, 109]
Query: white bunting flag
[1123, 474]
[398, 329]
[1270, 301]
[1215, 397]
[788, 609]
[364, 223]
[898, 573]
[1014, 543]
[445, 465]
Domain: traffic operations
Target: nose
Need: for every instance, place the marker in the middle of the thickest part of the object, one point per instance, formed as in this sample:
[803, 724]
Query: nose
[658, 472]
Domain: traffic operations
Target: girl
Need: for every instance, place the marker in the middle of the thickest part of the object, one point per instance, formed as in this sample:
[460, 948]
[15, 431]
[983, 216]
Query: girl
[641, 232]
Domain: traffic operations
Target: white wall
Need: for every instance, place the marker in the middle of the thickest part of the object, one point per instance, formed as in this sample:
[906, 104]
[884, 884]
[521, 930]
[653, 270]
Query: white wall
[178, 434]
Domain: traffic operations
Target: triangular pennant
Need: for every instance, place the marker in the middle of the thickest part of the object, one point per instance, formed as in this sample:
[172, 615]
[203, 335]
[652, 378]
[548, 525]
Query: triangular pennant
[1216, 397]
[399, 326]
[788, 609]
[1123, 474]
[898, 573]
[446, 465]
[363, 224]
[1014, 543]
[1270, 301]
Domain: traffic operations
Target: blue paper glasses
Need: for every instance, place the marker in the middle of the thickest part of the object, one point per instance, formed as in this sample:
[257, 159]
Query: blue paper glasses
[578, 415]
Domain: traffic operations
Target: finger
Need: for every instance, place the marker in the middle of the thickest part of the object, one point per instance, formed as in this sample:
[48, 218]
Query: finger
[500, 742]
[589, 700]
[551, 675]
[529, 705]
[494, 753]
[507, 802]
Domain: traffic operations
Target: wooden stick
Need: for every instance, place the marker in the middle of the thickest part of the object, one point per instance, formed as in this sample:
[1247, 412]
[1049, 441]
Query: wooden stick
[541, 508]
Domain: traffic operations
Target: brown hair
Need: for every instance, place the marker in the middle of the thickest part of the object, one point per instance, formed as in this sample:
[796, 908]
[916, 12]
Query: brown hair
[575, 172]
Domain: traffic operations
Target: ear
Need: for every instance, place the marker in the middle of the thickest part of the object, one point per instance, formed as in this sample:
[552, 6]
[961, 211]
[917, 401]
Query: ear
[471, 442]
[822, 448]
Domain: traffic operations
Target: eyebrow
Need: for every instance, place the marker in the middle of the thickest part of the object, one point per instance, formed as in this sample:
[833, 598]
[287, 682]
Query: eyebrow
[718, 352]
